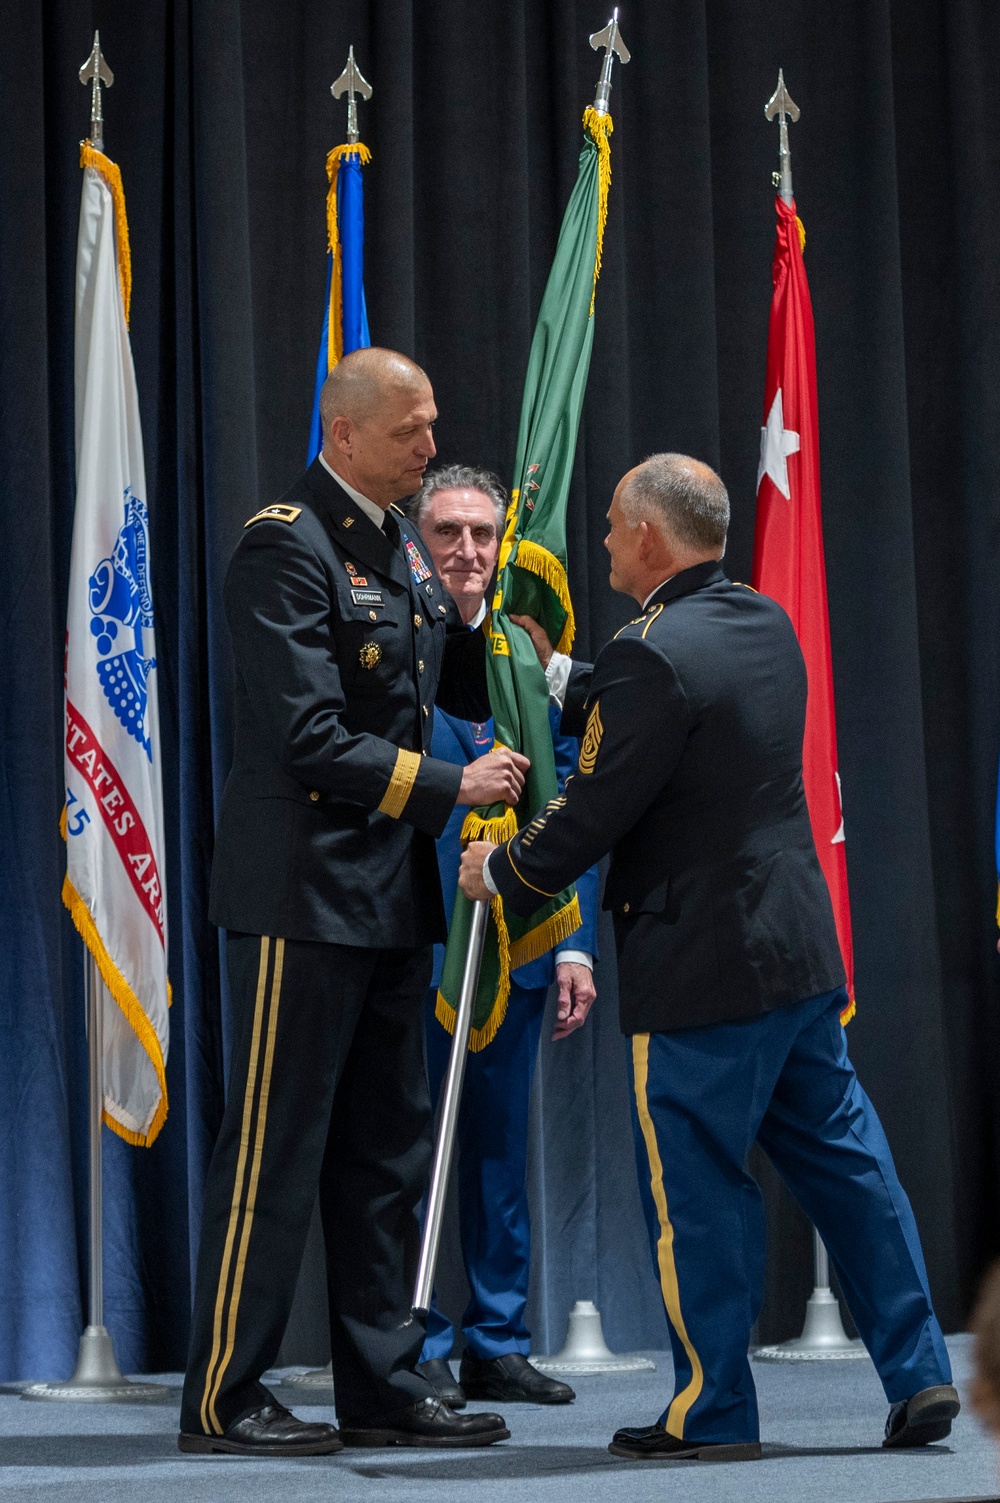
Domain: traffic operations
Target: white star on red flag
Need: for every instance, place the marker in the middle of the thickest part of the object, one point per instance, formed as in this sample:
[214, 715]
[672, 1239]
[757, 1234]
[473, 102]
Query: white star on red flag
[776, 443]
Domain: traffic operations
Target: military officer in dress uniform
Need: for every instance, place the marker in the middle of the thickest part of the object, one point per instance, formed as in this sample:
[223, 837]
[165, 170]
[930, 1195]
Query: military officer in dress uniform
[460, 512]
[730, 972]
[326, 880]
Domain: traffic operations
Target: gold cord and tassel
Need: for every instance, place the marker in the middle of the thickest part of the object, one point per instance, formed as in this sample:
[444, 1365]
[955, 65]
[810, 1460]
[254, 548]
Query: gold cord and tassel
[108, 170]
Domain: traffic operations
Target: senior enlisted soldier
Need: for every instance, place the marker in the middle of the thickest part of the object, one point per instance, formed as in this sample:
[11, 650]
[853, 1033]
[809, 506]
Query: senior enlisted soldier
[730, 972]
[326, 880]
[460, 512]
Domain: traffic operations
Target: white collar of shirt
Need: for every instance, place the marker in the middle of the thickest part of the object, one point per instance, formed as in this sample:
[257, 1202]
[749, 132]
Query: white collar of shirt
[480, 615]
[372, 512]
[645, 603]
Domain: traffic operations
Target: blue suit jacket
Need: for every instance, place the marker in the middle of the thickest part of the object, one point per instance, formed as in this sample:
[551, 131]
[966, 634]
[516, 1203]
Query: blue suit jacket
[460, 741]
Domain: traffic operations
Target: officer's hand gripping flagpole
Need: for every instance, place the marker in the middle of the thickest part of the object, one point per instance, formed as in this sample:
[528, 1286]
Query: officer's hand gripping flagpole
[823, 1335]
[451, 1097]
[97, 1376]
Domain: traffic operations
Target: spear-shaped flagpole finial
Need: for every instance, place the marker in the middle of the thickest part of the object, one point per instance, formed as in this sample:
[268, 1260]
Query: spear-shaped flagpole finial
[610, 39]
[95, 72]
[783, 105]
[351, 82]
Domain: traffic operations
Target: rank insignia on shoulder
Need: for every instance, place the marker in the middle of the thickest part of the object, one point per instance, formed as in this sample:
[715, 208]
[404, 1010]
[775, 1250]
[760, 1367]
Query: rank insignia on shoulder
[370, 655]
[275, 514]
[591, 739]
[418, 567]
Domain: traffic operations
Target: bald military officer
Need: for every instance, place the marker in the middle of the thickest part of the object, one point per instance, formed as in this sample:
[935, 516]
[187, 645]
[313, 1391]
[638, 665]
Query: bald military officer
[730, 974]
[326, 880]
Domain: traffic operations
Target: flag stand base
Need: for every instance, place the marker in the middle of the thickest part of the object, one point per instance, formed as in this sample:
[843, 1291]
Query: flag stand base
[586, 1352]
[316, 1377]
[823, 1336]
[97, 1378]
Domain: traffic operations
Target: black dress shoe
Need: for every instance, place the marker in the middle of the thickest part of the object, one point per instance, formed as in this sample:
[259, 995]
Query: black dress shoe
[922, 1419]
[271, 1431]
[652, 1443]
[429, 1422]
[511, 1379]
[441, 1378]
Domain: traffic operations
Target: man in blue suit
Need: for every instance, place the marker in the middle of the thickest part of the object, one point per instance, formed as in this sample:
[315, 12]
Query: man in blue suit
[460, 512]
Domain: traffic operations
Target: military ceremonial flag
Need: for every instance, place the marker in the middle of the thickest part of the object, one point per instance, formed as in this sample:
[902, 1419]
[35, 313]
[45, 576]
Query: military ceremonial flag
[114, 810]
[345, 318]
[788, 561]
[532, 581]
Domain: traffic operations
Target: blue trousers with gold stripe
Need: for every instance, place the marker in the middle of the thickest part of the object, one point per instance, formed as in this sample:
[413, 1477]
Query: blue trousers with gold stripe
[701, 1097]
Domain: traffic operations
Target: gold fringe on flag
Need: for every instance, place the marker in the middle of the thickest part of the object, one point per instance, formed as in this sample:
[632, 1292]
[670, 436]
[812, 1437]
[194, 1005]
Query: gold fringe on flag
[538, 560]
[335, 322]
[540, 941]
[130, 1006]
[600, 128]
[113, 178]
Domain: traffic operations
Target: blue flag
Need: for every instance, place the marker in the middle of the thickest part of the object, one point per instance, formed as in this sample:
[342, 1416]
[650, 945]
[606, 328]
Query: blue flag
[345, 320]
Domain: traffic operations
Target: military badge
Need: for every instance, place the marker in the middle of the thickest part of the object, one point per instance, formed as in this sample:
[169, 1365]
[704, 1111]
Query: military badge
[418, 567]
[370, 655]
[591, 739]
[275, 514]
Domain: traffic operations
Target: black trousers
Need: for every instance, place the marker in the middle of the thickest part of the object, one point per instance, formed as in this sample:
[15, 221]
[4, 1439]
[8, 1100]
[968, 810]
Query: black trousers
[327, 1091]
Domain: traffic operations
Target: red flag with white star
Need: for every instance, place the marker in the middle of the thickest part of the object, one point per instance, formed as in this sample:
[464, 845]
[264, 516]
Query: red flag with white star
[788, 562]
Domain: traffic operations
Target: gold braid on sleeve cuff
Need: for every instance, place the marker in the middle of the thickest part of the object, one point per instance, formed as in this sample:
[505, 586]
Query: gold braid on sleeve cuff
[404, 775]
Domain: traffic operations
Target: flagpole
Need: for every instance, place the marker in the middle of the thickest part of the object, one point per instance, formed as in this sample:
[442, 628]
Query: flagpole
[451, 1098]
[97, 1377]
[823, 1336]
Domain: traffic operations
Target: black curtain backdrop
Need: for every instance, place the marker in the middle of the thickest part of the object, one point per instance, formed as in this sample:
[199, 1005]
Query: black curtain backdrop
[220, 118]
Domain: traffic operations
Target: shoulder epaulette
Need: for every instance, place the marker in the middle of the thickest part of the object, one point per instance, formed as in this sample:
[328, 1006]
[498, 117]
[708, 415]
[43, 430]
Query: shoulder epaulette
[275, 514]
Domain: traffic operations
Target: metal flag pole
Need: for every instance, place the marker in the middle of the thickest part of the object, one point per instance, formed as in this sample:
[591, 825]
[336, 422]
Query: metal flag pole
[783, 105]
[610, 39]
[97, 1376]
[823, 1336]
[352, 82]
[451, 1098]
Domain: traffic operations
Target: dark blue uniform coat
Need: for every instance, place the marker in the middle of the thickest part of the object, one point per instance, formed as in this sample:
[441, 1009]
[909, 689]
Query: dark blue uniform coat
[731, 987]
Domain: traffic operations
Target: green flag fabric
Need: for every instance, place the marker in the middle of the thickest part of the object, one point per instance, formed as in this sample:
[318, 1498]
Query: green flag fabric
[531, 580]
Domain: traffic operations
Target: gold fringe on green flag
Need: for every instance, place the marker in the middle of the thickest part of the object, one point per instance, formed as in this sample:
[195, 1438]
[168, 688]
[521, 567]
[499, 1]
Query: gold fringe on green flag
[531, 581]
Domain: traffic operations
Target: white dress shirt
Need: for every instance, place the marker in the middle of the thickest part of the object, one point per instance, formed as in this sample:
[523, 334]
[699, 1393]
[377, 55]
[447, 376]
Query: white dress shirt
[372, 512]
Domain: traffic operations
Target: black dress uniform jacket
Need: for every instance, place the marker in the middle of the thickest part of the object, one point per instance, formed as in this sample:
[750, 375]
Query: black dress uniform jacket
[343, 637]
[691, 775]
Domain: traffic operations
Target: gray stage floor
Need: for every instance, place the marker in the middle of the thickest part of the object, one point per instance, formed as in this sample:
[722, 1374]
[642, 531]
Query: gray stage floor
[821, 1424]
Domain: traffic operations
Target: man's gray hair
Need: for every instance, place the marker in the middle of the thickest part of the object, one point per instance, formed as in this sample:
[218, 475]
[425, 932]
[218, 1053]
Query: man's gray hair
[680, 494]
[460, 477]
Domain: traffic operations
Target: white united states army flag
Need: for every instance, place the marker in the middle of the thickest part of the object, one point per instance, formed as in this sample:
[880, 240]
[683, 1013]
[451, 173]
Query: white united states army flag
[114, 809]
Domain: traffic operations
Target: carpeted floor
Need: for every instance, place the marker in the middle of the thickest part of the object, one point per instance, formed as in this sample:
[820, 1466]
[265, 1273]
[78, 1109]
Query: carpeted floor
[821, 1424]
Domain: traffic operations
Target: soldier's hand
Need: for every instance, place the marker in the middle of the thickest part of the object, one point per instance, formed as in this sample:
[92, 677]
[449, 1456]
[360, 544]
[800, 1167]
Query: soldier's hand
[576, 996]
[496, 778]
[470, 873]
[539, 640]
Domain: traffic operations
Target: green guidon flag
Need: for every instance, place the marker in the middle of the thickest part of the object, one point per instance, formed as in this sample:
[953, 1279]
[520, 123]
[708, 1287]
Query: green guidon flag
[531, 581]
